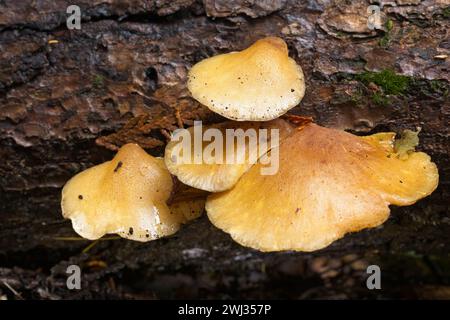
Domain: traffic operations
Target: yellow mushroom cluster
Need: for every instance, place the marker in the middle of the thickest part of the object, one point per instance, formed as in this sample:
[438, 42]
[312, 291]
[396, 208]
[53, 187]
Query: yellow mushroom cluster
[328, 182]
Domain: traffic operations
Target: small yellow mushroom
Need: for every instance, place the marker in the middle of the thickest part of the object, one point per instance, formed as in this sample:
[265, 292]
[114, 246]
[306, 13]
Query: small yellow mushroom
[257, 84]
[126, 195]
[329, 183]
[212, 172]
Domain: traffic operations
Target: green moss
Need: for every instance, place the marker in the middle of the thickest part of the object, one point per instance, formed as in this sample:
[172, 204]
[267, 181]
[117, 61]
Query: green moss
[446, 12]
[98, 81]
[380, 99]
[384, 42]
[440, 87]
[389, 25]
[388, 80]
[357, 95]
[386, 39]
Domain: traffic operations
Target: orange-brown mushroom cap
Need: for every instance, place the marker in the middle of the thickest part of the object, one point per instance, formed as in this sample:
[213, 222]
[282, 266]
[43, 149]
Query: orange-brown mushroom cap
[329, 183]
[126, 195]
[257, 84]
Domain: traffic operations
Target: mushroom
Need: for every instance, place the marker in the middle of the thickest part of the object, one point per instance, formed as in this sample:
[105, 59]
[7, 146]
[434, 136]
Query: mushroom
[126, 195]
[257, 84]
[213, 172]
[329, 183]
[187, 202]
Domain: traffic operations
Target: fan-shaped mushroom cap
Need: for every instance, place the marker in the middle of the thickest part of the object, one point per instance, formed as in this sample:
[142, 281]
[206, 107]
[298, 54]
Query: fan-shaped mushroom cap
[212, 176]
[259, 83]
[126, 195]
[329, 183]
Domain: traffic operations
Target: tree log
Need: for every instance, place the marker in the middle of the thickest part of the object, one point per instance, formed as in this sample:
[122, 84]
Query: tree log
[70, 98]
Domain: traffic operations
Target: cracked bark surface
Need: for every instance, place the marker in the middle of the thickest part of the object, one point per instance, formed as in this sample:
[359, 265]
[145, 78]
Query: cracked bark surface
[67, 105]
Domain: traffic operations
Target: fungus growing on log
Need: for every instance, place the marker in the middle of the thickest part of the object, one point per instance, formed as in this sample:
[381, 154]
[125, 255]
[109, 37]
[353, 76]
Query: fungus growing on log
[259, 83]
[126, 195]
[225, 151]
[329, 183]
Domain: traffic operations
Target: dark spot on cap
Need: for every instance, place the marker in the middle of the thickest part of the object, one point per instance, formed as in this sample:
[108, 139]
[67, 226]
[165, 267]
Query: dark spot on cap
[80, 197]
[298, 209]
[401, 181]
[130, 231]
[147, 235]
[119, 165]
[292, 90]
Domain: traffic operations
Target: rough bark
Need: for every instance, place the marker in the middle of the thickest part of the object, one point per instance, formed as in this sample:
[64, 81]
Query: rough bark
[67, 105]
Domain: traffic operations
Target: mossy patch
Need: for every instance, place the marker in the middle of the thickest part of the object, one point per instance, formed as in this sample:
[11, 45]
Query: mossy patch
[386, 39]
[436, 89]
[439, 87]
[387, 80]
[446, 12]
[380, 99]
[389, 84]
[98, 81]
